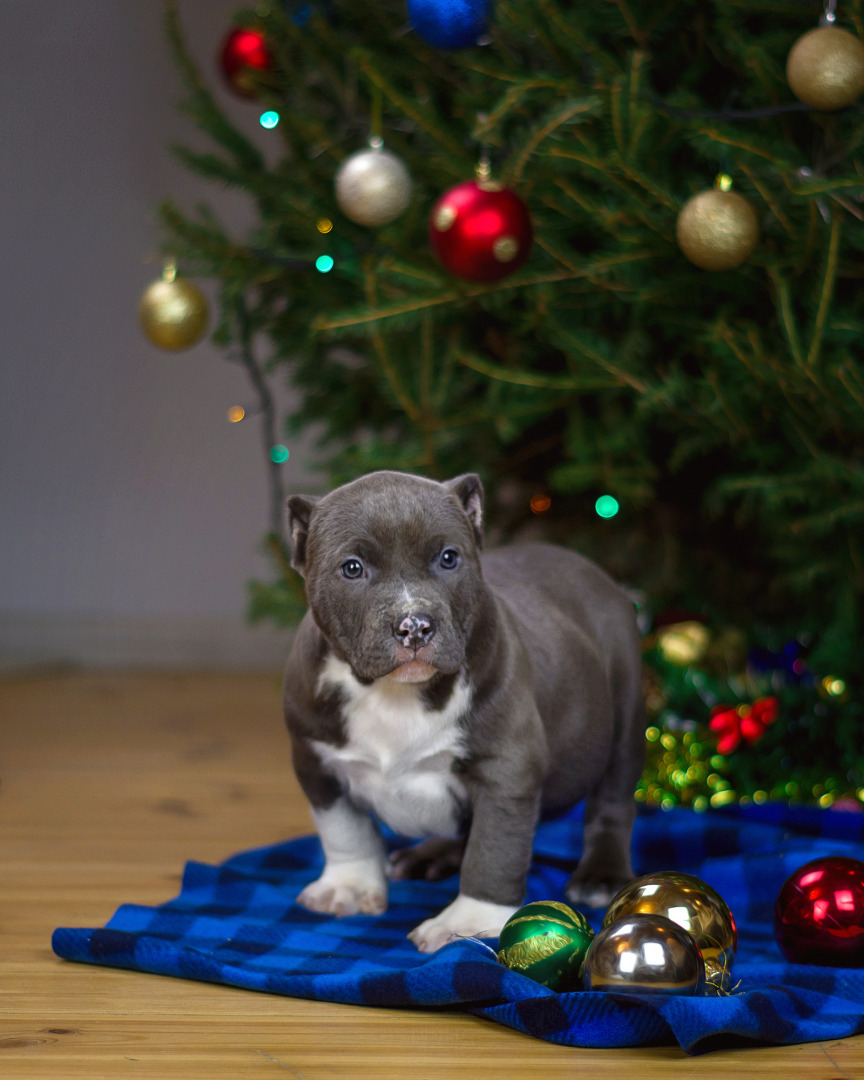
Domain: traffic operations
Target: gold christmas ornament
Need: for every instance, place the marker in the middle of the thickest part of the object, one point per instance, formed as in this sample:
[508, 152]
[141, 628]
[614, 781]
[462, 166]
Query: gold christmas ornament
[373, 187]
[694, 906]
[825, 68]
[684, 643]
[173, 313]
[717, 229]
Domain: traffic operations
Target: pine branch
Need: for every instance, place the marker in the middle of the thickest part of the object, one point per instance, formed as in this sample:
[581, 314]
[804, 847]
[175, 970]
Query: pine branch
[826, 293]
[787, 315]
[461, 162]
[200, 104]
[399, 393]
[487, 128]
[564, 114]
[531, 378]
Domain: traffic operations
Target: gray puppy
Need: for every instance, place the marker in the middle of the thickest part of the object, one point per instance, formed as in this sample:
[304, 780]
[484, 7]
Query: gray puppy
[455, 697]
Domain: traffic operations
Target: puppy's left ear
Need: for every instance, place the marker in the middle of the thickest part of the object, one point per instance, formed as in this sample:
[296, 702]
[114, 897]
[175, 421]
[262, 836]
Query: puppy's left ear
[469, 491]
[300, 509]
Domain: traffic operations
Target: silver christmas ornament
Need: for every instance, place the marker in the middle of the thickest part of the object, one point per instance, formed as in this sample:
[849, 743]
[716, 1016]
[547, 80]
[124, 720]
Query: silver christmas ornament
[373, 187]
[694, 906]
[643, 954]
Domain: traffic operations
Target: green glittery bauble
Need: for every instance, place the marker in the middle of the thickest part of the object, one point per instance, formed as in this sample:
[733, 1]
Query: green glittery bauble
[546, 941]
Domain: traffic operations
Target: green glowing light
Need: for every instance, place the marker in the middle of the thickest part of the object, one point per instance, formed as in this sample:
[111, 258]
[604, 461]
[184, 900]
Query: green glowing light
[607, 506]
[324, 264]
[269, 119]
[279, 454]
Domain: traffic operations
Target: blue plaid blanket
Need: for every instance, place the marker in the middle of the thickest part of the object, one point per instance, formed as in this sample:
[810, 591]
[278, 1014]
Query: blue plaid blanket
[236, 924]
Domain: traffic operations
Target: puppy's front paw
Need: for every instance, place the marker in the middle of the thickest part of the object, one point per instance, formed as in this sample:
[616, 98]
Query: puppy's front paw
[464, 918]
[347, 889]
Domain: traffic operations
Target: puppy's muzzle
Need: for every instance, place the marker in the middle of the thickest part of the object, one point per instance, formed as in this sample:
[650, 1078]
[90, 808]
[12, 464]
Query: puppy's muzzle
[414, 631]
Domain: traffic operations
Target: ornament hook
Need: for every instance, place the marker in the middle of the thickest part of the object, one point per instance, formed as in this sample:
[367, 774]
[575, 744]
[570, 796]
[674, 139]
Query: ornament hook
[829, 13]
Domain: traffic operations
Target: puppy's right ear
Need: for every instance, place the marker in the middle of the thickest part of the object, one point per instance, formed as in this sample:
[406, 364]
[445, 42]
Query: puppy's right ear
[300, 509]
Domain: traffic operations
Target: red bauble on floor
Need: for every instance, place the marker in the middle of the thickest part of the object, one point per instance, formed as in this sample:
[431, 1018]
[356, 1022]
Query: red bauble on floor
[819, 913]
[480, 231]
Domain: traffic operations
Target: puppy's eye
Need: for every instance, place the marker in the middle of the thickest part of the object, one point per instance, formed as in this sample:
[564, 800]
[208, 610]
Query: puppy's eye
[448, 559]
[353, 569]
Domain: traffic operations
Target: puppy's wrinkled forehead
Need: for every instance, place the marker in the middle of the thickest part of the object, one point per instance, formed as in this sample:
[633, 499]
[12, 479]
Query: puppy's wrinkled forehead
[392, 511]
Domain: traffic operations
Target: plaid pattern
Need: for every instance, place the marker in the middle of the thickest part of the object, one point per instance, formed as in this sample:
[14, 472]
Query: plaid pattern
[236, 924]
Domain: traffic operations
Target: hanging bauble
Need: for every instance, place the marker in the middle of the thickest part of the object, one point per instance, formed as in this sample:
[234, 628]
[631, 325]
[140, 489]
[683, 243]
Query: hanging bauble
[825, 68]
[717, 229]
[480, 231]
[546, 941]
[819, 913]
[173, 313]
[694, 906]
[642, 954]
[246, 61]
[373, 187]
[301, 11]
[684, 643]
[449, 24]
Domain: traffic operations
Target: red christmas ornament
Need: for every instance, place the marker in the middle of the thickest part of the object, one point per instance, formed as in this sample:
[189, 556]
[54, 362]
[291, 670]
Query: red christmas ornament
[480, 231]
[245, 57]
[819, 913]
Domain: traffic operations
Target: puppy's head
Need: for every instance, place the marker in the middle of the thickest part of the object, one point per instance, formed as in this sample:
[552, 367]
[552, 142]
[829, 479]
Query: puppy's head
[392, 571]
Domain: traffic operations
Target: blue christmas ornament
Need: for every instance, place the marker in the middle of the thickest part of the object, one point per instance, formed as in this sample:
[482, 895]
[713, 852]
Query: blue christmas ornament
[788, 666]
[301, 11]
[449, 24]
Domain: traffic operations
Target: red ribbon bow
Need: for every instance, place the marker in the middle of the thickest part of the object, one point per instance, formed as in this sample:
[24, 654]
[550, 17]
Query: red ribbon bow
[747, 722]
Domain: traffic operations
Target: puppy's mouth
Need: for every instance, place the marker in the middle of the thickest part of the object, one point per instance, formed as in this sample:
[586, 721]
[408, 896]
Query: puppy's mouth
[413, 671]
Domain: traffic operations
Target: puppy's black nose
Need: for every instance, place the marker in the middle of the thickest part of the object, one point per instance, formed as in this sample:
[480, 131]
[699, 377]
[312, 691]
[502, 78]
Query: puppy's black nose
[414, 631]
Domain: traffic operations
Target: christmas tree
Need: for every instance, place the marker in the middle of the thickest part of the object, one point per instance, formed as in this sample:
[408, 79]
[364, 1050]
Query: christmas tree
[667, 378]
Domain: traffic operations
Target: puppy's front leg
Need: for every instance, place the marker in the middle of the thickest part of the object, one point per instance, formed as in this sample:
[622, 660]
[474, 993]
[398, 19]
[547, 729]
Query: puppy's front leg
[494, 869]
[354, 879]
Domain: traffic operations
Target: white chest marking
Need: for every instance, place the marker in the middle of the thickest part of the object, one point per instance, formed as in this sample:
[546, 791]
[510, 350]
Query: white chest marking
[398, 757]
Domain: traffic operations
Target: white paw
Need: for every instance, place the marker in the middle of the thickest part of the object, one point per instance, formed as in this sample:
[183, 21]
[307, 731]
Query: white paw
[348, 889]
[464, 918]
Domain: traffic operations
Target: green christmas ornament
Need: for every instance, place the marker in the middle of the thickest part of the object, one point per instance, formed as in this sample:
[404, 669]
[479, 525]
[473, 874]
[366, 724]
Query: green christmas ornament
[546, 941]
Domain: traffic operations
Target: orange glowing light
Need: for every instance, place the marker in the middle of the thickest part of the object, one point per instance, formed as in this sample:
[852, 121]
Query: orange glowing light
[540, 504]
[236, 414]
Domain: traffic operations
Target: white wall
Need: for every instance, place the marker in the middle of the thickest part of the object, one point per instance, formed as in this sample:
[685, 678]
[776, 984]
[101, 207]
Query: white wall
[131, 511]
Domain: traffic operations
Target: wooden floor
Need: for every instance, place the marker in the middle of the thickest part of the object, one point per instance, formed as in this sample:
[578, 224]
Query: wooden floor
[109, 783]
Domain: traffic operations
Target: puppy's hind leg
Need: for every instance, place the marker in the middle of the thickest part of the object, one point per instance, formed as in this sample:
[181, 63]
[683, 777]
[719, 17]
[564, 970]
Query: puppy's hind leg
[605, 866]
[430, 860]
